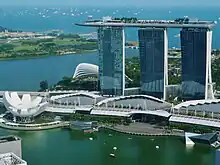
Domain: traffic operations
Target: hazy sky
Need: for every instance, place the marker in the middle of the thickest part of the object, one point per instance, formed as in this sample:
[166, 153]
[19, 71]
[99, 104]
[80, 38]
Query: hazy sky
[159, 3]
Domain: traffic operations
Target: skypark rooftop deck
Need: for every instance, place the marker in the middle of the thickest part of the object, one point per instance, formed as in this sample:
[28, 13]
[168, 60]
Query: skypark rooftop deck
[148, 23]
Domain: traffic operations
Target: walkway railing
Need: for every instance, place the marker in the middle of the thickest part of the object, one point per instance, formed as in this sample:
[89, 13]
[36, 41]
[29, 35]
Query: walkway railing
[33, 127]
[138, 133]
[196, 117]
[112, 109]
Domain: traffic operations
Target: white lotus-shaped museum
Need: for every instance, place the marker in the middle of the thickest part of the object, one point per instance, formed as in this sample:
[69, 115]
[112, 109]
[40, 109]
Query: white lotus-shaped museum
[26, 106]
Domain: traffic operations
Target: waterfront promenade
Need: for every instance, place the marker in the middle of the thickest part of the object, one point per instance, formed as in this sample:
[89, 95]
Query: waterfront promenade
[32, 127]
[67, 107]
[143, 129]
[194, 120]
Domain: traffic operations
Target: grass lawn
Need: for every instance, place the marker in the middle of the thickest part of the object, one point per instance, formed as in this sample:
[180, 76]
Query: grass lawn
[68, 41]
[64, 41]
[25, 47]
[29, 48]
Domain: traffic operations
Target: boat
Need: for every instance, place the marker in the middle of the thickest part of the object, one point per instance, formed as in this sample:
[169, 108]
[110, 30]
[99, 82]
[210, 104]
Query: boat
[112, 155]
[90, 16]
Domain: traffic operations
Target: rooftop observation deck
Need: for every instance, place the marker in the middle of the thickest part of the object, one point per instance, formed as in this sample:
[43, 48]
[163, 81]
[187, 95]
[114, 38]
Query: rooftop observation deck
[178, 23]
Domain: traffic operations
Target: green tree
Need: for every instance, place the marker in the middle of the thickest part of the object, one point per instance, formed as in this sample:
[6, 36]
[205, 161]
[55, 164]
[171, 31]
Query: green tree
[216, 73]
[62, 36]
[6, 47]
[65, 81]
[43, 85]
[132, 70]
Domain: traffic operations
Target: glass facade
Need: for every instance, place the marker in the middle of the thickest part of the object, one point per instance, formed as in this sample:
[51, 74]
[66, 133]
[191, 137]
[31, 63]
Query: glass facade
[152, 61]
[111, 43]
[217, 157]
[194, 60]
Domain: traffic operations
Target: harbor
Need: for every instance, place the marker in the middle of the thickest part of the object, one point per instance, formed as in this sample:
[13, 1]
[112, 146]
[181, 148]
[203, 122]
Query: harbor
[38, 146]
[58, 134]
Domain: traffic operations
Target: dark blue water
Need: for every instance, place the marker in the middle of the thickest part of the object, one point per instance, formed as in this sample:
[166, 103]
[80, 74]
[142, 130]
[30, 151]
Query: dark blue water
[63, 147]
[26, 74]
[42, 19]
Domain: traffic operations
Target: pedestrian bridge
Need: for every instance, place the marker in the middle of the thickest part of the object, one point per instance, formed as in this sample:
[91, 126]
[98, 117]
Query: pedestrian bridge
[35, 93]
[67, 109]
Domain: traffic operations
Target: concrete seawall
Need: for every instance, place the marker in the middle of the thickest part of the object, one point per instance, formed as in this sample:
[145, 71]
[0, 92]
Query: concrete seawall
[26, 127]
[139, 133]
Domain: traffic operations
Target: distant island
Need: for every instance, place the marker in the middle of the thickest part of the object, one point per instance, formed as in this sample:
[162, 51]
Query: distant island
[3, 29]
[26, 45]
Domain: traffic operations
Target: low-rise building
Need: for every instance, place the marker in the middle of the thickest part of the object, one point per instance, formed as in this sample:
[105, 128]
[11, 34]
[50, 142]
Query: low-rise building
[10, 144]
[11, 159]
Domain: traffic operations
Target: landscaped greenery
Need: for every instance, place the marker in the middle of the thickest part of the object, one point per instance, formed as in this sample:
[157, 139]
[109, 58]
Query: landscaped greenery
[132, 70]
[216, 73]
[101, 119]
[43, 85]
[215, 70]
[34, 48]
[68, 83]
[127, 20]
[191, 128]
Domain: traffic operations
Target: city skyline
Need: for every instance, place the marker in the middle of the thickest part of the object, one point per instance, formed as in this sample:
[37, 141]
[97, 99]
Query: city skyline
[153, 45]
[104, 82]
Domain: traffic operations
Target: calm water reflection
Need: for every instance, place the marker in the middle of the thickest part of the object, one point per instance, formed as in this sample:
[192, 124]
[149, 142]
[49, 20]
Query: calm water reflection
[64, 147]
[27, 74]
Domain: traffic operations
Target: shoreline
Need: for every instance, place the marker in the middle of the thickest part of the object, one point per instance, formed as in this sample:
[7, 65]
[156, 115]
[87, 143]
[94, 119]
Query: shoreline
[45, 56]
[129, 130]
[33, 127]
[144, 132]
[65, 125]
